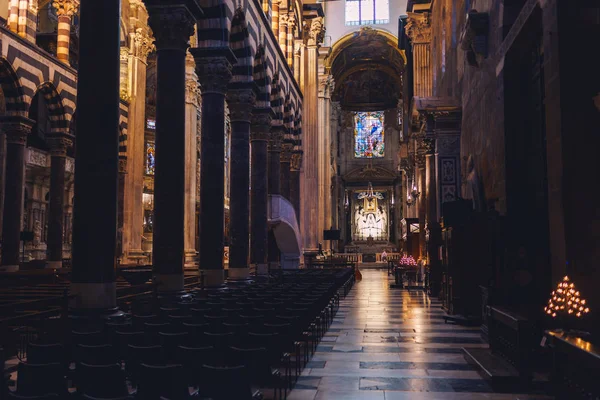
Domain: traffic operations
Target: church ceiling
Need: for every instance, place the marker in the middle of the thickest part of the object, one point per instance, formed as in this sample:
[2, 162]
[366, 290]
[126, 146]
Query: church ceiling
[367, 68]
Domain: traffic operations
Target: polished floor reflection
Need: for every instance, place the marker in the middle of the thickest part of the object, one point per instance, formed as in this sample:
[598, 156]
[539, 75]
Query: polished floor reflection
[390, 344]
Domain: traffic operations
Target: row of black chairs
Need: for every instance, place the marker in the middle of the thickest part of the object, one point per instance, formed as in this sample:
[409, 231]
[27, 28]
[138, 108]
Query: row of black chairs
[206, 341]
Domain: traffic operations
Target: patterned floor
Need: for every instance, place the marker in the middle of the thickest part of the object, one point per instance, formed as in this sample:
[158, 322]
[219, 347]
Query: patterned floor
[392, 344]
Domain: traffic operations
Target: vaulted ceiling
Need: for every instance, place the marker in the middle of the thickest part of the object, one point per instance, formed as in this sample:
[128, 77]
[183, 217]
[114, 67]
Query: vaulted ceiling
[367, 67]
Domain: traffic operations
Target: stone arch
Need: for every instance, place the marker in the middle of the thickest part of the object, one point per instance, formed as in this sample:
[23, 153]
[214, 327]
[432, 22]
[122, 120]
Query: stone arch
[56, 110]
[263, 84]
[13, 90]
[239, 42]
[215, 24]
[276, 101]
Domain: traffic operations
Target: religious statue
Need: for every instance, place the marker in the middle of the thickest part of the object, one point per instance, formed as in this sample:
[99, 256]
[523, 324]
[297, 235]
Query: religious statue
[37, 233]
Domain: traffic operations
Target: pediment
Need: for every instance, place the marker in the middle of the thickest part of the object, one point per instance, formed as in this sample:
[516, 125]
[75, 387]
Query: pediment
[370, 173]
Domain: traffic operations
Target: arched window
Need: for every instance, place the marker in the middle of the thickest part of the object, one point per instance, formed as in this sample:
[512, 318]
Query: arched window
[367, 12]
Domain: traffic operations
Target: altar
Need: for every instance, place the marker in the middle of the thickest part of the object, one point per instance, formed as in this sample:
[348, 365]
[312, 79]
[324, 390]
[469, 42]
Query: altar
[370, 216]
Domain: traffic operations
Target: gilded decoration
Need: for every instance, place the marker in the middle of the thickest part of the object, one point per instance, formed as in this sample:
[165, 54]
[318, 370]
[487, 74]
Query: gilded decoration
[65, 7]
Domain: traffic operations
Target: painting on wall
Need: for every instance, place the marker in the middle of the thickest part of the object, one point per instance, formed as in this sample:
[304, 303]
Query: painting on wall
[369, 135]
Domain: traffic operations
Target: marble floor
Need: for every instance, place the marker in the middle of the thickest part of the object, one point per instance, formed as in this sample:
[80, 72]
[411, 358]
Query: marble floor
[392, 344]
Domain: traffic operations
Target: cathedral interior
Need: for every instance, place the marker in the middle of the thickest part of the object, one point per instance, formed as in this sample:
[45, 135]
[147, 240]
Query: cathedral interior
[307, 199]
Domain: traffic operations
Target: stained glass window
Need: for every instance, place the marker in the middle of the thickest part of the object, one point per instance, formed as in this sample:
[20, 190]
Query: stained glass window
[150, 163]
[367, 12]
[368, 135]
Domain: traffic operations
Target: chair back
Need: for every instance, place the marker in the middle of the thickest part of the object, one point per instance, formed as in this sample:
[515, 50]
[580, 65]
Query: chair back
[101, 380]
[41, 379]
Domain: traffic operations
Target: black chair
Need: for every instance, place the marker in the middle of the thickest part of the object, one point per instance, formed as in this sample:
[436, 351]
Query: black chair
[226, 383]
[86, 397]
[259, 371]
[138, 355]
[102, 354]
[44, 353]
[89, 338]
[170, 340]
[50, 396]
[163, 381]
[41, 379]
[101, 380]
[192, 358]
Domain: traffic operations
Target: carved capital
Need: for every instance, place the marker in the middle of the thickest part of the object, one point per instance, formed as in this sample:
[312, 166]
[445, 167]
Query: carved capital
[418, 27]
[241, 103]
[66, 8]
[316, 32]
[296, 162]
[214, 73]
[286, 153]
[143, 44]
[326, 85]
[260, 124]
[59, 145]
[429, 146]
[16, 129]
[172, 26]
[275, 139]
[284, 20]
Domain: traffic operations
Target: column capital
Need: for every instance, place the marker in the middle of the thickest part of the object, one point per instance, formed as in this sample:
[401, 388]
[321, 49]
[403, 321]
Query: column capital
[326, 85]
[418, 27]
[241, 103]
[58, 145]
[275, 139]
[143, 44]
[16, 128]
[296, 161]
[65, 8]
[284, 20]
[172, 26]
[429, 146]
[286, 152]
[314, 32]
[213, 67]
[260, 124]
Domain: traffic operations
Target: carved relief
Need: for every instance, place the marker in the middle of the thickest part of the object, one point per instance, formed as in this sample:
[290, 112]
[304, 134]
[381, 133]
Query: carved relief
[418, 27]
[143, 44]
[214, 74]
[316, 32]
[172, 27]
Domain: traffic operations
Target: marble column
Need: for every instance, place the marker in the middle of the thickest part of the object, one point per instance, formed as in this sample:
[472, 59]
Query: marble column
[16, 129]
[96, 159]
[192, 96]
[2, 174]
[283, 28]
[133, 83]
[275, 17]
[310, 205]
[240, 112]
[324, 156]
[418, 29]
[290, 41]
[275, 139]
[213, 67]
[58, 151]
[297, 54]
[259, 138]
[13, 16]
[65, 9]
[284, 175]
[172, 27]
[422, 204]
[295, 183]
[433, 226]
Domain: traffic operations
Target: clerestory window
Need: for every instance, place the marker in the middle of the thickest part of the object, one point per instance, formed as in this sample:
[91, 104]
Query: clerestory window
[367, 12]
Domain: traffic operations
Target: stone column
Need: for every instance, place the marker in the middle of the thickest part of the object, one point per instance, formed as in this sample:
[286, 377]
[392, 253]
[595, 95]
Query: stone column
[58, 150]
[2, 174]
[65, 9]
[28, 24]
[284, 177]
[418, 29]
[213, 66]
[421, 184]
[297, 58]
[172, 27]
[275, 160]
[283, 28]
[240, 112]
[433, 226]
[275, 17]
[324, 156]
[310, 210]
[16, 129]
[290, 41]
[295, 183]
[96, 159]
[13, 16]
[259, 137]
[192, 96]
[133, 85]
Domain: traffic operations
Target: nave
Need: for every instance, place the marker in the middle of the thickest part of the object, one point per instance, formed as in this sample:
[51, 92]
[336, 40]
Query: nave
[393, 344]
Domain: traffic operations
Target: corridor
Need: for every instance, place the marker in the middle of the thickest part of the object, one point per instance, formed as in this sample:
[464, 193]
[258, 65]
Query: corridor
[393, 344]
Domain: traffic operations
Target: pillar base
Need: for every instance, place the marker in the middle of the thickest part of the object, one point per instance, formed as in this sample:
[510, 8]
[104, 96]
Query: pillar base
[212, 277]
[262, 269]
[54, 264]
[93, 297]
[9, 268]
[169, 283]
[238, 273]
